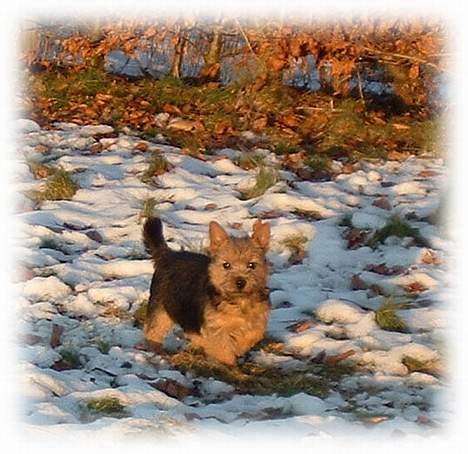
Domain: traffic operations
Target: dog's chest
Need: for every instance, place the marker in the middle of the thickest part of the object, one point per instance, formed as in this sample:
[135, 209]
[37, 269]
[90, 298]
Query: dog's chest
[243, 316]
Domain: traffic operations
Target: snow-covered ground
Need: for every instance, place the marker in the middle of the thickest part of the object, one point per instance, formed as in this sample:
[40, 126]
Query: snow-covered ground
[84, 270]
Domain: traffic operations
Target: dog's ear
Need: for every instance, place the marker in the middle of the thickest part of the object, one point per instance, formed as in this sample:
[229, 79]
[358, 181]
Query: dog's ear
[218, 236]
[261, 234]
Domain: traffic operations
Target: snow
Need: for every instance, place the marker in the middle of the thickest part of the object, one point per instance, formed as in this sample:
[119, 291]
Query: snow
[339, 311]
[362, 220]
[44, 288]
[89, 273]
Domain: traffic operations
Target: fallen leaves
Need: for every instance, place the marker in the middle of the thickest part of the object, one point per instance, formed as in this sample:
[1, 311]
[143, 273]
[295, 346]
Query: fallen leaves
[414, 288]
[172, 388]
[381, 268]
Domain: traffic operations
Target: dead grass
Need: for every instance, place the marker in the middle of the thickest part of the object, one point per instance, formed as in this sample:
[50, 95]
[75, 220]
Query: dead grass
[157, 165]
[59, 186]
[295, 242]
[266, 177]
[388, 319]
[251, 378]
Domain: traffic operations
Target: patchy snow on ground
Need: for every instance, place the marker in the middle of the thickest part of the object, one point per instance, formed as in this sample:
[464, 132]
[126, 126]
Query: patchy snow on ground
[85, 273]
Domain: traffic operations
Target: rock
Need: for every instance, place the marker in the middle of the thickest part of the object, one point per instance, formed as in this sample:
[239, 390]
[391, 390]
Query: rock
[26, 126]
[91, 130]
[161, 119]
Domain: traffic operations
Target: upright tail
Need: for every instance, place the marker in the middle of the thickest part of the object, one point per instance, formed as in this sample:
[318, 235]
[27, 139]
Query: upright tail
[153, 238]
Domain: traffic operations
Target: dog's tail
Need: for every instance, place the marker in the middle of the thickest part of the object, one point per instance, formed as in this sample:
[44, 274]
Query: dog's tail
[153, 238]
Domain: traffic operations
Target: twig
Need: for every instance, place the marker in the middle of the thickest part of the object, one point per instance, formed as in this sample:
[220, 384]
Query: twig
[327, 109]
[402, 56]
[246, 38]
[361, 95]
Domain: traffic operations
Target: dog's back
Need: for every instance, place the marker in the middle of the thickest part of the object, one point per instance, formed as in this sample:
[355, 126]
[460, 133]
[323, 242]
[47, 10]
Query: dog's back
[180, 282]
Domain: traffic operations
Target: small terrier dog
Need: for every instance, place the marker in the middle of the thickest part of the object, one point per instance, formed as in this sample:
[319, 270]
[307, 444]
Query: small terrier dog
[221, 301]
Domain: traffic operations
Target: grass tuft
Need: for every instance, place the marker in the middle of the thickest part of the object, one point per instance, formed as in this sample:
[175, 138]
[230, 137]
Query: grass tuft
[106, 405]
[388, 319]
[295, 242]
[345, 220]
[140, 315]
[59, 186]
[157, 165]
[396, 227]
[70, 358]
[248, 162]
[265, 179]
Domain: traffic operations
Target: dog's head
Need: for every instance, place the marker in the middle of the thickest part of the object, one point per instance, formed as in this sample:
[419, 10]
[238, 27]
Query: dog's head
[238, 265]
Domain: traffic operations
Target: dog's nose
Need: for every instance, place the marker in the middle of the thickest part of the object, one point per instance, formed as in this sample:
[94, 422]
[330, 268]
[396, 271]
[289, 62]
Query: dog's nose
[240, 283]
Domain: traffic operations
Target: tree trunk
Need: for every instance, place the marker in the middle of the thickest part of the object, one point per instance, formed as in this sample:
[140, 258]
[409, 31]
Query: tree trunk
[179, 50]
[212, 66]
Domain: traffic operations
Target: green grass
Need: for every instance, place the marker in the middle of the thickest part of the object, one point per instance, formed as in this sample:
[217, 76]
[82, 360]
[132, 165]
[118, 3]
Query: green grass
[285, 148]
[345, 220]
[266, 178]
[59, 186]
[318, 164]
[140, 315]
[103, 346]
[349, 129]
[105, 405]
[387, 318]
[396, 227]
[70, 357]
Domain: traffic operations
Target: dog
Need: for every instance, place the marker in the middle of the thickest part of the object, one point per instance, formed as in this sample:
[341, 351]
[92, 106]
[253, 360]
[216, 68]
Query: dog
[220, 300]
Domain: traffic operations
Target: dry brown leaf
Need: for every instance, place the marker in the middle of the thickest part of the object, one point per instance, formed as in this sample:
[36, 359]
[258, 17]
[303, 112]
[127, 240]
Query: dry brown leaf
[382, 202]
[141, 146]
[301, 326]
[427, 173]
[397, 156]
[356, 238]
[56, 335]
[180, 124]
[271, 214]
[297, 257]
[171, 109]
[381, 268]
[335, 359]
[414, 287]
[430, 258]
[400, 126]
[290, 119]
[172, 388]
[357, 283]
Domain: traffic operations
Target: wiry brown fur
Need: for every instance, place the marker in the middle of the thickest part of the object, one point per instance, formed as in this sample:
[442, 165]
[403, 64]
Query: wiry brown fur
[221, 301]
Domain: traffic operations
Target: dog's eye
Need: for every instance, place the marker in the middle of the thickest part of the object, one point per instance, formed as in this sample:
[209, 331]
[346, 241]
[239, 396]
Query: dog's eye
[251, 265]
[226, 265]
